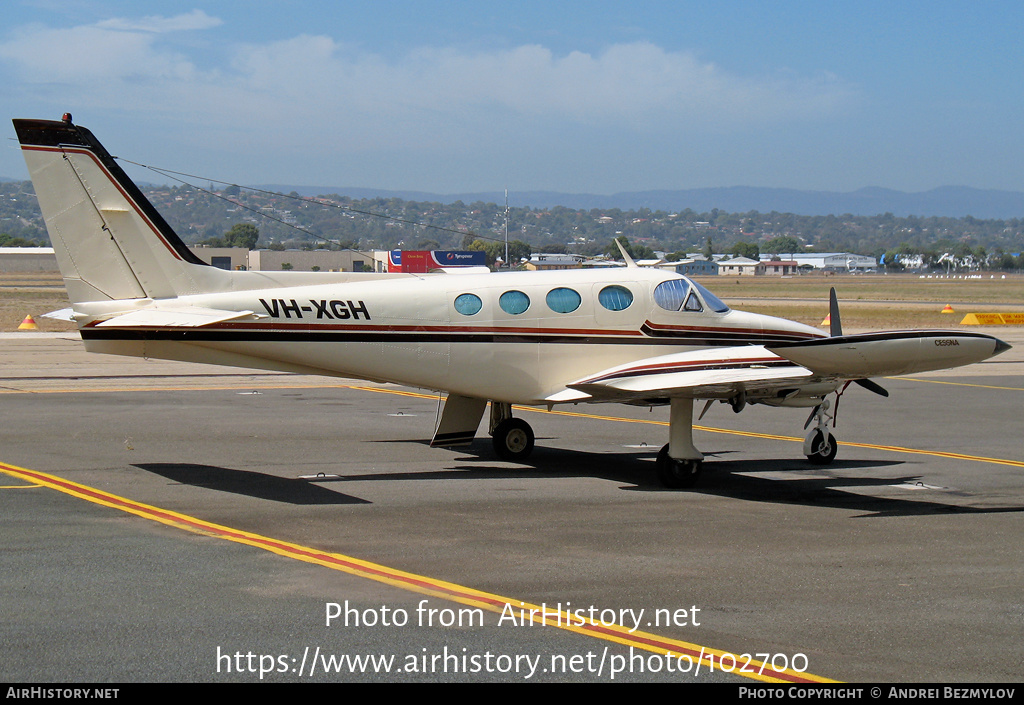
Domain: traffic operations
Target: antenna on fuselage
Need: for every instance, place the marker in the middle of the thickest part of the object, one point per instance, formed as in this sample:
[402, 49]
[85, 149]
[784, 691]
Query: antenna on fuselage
[625, 255]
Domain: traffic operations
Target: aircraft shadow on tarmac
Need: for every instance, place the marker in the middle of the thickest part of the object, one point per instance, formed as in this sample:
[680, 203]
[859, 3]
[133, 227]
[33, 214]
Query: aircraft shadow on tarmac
[843, 487]
[250, 484]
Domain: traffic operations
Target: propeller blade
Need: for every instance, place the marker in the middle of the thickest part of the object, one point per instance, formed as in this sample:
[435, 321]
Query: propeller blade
[706, 407]
[873, 387]
[811, 417]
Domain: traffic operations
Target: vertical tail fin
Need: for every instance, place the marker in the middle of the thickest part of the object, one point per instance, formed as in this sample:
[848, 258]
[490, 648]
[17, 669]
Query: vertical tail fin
[110, 241]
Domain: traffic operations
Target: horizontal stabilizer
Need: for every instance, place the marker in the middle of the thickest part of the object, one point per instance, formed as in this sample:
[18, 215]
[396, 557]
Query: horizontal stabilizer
[889, 353]
[64, 314]
[183, 317]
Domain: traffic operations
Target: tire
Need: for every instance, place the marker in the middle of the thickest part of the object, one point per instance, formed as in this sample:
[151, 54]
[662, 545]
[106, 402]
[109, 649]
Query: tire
[823, 450]
[678, 474]
[513, 440]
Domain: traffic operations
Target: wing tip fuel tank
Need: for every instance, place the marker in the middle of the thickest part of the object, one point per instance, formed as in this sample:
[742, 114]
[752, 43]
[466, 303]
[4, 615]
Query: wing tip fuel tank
[891, 352]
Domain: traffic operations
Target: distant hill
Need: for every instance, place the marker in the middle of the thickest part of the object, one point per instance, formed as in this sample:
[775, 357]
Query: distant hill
[950, 201]
[383, 220]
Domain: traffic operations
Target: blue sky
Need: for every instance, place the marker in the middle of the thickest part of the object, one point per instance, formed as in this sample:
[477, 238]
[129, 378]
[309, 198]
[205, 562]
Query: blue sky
[574, 96]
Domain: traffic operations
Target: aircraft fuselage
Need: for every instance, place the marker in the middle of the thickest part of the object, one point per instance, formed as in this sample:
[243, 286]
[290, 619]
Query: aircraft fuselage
[410, 330]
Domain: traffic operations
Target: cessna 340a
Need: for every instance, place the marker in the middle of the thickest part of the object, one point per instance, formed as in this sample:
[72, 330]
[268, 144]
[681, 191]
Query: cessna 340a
[631, 335]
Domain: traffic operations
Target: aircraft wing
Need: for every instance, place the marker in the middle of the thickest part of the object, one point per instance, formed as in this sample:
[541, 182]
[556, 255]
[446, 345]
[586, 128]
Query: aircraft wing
[779, 371]
[180, 317]
[707, 374]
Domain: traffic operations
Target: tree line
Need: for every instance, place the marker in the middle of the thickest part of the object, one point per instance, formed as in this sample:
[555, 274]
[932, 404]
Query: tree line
[286, 220]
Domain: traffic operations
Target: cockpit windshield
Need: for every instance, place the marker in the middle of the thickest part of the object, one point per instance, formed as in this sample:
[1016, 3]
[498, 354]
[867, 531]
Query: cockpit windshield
[682, 295]
[713, 302]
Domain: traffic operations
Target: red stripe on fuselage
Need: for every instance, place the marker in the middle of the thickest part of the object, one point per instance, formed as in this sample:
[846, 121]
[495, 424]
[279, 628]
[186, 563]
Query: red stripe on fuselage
[714, 329]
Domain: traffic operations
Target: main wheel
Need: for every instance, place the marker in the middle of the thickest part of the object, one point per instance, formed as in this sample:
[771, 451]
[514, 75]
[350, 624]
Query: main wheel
[823, 448]
[513, 440]
[676, 473]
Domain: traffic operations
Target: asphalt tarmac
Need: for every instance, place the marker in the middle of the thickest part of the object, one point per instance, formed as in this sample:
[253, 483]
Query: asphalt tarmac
[172, 522]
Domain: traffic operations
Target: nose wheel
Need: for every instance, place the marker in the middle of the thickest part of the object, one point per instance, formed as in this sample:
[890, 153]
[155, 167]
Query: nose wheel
[820, 447]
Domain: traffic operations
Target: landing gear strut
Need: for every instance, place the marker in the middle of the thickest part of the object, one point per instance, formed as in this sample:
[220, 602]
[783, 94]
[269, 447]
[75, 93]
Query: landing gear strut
[820, 446]
[680, 463]
[512, 438]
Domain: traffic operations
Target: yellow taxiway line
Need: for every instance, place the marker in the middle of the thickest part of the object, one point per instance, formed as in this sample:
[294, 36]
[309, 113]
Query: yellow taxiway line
[690, 658]
[748, 434]
[740, 664]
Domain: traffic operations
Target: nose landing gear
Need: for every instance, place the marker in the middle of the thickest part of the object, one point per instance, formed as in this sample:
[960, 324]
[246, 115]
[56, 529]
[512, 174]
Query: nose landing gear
[820, 446]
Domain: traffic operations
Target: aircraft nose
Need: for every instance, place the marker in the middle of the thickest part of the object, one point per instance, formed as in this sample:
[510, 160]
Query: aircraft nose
[1001, 347]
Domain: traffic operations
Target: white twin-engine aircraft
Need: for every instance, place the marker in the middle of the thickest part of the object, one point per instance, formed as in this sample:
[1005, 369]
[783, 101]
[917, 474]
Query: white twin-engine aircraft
[631, 335]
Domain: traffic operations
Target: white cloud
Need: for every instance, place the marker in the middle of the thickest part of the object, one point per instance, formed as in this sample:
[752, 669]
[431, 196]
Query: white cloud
[635, 86]
[105, 52]
[197, 19]
[87, 55]
[485, 107]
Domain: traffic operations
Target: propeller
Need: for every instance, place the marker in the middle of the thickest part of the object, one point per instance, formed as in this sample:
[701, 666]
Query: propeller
[873, 387]
[836, 330]
[835, 325]
[811, 417]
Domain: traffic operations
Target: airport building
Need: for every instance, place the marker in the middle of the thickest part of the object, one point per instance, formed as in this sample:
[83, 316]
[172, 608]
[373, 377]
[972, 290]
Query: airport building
[27, 259]
[781, 268]
[544, 262]
[422, 261]
[317, 260]
[230, 258]
[834, 261]
[740, 267]
[696, 266]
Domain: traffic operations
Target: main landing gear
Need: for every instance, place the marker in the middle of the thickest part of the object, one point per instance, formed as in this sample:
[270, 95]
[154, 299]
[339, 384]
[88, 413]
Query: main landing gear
[680, 463]
[676, 473]
[512, 438]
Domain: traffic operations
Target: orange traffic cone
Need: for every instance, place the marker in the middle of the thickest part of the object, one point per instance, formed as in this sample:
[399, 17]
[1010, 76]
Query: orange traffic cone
[28, 324]
[948, 309]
